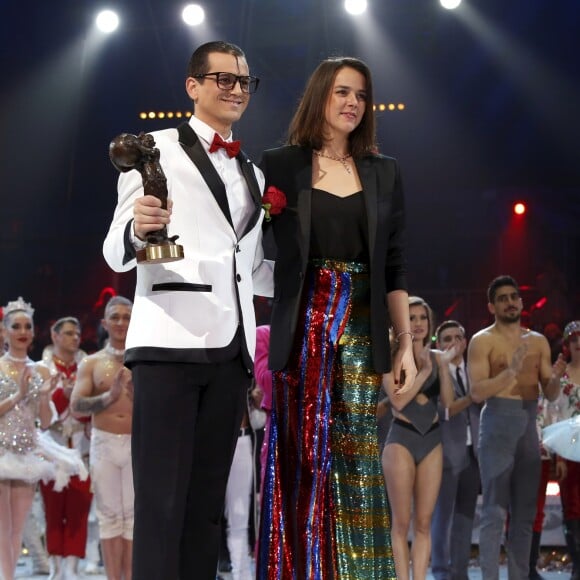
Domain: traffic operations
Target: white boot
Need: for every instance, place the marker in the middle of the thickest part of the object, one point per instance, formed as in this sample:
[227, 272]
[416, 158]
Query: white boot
[70, 568]
[33, 543]
[55, 564]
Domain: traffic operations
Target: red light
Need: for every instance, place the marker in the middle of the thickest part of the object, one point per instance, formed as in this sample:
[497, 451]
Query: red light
[519, 208]
[541, 302]
[106, 293]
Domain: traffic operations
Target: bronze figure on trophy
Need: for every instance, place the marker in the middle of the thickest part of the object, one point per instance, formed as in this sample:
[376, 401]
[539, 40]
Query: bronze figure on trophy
[127, 152]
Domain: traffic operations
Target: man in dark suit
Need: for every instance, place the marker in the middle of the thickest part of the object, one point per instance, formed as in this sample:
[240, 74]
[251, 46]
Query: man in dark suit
[452, 521]
[192, 334]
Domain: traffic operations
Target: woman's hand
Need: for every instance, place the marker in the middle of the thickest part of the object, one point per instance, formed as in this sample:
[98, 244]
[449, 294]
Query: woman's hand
[24, 384]
[425, 358]
[444, 357]
[404, 369]
[257, 395]
[559, 367]
[426, 368]
[49, 385]
[67, 384]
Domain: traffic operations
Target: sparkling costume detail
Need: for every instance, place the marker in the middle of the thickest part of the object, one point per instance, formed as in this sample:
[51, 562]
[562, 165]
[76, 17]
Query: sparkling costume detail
[25, 453]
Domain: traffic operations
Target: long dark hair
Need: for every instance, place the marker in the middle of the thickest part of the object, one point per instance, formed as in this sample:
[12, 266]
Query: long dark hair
[308, 124]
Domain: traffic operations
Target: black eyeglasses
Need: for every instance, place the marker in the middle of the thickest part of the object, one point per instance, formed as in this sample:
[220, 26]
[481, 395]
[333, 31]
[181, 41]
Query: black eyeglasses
[227, 81]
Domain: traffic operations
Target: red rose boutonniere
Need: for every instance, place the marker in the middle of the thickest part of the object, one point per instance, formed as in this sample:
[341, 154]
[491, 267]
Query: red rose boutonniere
[273, 202]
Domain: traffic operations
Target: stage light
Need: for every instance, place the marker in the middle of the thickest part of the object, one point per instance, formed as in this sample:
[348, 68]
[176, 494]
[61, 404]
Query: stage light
[355, 7]
[193, 15]
[540, 303]
[107, 21]
[450, 4]
[519, 208]
[152, 115]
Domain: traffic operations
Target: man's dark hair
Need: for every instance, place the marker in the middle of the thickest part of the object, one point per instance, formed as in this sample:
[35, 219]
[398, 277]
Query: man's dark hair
[498, 283]
[448, 324]
[57, 326]
[199, 61]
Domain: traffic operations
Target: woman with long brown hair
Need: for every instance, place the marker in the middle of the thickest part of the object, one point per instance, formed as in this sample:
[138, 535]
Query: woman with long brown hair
[339, 283]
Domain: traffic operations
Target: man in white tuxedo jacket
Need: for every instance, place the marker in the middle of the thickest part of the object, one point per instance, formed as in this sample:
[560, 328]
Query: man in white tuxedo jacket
[191, 339]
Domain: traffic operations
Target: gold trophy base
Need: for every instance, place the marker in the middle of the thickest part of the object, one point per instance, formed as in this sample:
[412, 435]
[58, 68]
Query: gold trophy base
[160, 253]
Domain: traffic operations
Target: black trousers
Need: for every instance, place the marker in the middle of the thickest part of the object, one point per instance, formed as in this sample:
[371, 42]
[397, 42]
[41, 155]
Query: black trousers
[186, 420]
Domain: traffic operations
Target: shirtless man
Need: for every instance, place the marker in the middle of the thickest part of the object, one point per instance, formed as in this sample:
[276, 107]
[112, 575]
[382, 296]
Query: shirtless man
[506, 365]
[103, 389]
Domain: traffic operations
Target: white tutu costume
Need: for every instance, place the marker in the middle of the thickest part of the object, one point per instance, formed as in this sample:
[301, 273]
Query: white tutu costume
[563, 438]
[26, 453]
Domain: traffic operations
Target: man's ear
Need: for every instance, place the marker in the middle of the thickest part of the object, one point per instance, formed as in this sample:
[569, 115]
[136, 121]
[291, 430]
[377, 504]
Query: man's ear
[191, 86]
[491, 308]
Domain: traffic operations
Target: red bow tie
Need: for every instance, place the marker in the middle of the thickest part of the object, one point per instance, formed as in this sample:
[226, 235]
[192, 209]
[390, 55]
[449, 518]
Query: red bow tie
[232, 148]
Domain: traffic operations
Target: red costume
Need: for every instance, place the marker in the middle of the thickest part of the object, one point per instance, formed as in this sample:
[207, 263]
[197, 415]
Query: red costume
[67, 511]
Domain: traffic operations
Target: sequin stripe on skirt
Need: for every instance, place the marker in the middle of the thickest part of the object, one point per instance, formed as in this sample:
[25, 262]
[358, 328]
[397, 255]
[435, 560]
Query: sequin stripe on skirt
[295, 537]
[309, 530]
[362, 515]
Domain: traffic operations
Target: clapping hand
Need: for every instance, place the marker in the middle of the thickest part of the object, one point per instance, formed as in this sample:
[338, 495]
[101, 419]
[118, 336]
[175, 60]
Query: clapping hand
[559, 367]
[444, 357]
[121, 381]
[24, 383]
[518, 358]
[67, 384]
[49, 384]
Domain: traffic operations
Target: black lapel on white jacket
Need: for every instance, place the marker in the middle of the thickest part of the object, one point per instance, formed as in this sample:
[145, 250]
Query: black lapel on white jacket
[247, 168]
[190, 143]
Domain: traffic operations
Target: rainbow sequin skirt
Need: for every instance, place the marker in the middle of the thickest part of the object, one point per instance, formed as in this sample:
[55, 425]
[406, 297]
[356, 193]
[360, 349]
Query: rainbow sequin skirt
[325, 513]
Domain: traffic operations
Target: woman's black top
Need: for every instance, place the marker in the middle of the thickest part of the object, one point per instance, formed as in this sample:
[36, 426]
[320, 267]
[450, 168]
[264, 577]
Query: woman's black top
[339, 229]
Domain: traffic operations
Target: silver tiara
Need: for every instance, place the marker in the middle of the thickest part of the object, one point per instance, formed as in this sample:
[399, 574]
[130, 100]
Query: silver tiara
[571, 328]
[19, 304]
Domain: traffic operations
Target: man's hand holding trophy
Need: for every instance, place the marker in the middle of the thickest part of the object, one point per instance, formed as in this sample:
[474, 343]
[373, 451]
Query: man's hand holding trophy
[128, 152]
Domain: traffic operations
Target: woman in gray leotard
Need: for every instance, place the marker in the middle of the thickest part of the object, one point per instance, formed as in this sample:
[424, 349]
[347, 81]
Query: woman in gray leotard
[412, 456]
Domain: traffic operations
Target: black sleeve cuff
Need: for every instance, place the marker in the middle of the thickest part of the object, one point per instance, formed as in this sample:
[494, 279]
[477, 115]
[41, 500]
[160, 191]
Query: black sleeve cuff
[130, 253]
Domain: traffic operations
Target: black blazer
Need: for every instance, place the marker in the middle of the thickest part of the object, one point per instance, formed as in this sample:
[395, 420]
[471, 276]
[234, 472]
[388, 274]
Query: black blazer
[290, 170]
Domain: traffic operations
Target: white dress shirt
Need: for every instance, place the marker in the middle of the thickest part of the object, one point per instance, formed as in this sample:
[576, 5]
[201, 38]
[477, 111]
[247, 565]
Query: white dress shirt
[463, 372]
[239, 198]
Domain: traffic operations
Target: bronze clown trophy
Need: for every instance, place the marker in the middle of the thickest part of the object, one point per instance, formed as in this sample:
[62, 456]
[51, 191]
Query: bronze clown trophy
[127, 152]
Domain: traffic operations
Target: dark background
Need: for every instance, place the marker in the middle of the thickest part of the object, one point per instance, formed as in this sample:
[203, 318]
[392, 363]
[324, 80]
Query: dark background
[491, 93]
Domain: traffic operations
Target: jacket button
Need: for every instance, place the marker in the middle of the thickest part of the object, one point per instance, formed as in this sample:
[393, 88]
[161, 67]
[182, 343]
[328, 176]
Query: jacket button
[237, 248]
[238, 278]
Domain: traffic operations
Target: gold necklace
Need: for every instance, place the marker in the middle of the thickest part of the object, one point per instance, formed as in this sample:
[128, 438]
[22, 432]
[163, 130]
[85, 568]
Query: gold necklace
[341, 160]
